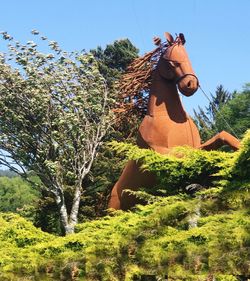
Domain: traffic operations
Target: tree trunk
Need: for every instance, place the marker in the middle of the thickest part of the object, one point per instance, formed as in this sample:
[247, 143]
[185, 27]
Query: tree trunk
[73, 219]
[68, 221]
[60, 201]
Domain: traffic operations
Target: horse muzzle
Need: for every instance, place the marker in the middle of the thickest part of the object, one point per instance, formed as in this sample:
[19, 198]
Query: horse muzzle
[188, 84]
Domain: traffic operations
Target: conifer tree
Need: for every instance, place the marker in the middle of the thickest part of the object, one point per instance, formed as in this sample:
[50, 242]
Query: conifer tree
[226, 111]
[206, 118]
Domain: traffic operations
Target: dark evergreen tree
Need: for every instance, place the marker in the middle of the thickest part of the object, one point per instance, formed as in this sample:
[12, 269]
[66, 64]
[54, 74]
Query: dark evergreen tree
[236, 112]
[220, 98]
[114, 59]
[113, 62]
[206, 118]
[226, 111]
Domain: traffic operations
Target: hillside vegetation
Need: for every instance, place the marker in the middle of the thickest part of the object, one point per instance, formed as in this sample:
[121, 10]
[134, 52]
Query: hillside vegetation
[178, 236]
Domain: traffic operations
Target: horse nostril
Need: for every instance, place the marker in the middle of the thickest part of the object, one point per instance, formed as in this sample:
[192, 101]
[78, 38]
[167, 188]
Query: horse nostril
[189, 84]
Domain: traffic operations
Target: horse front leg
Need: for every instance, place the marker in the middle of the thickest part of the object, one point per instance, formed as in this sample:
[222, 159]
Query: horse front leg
[223, 138]
[131, 178]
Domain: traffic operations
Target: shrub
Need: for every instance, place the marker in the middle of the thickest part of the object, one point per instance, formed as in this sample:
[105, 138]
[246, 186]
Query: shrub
[178, 236]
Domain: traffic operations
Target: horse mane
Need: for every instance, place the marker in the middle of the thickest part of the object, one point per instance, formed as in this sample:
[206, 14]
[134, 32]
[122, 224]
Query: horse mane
[135, 83]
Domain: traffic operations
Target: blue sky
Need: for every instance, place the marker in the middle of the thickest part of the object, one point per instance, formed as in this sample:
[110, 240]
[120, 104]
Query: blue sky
[217, 31]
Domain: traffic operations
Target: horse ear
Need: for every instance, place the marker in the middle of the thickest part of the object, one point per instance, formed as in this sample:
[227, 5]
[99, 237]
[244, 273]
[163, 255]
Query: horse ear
[182, 38]
[169, 38]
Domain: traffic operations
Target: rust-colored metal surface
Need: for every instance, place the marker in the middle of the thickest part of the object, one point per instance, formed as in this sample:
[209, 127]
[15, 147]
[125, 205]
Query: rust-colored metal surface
[166, 123]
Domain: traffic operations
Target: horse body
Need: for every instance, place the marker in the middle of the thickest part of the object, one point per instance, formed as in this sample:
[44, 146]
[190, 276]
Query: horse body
[166, 123]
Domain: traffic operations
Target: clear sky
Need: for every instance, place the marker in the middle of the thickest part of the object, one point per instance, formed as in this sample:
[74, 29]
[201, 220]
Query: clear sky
[217, 31]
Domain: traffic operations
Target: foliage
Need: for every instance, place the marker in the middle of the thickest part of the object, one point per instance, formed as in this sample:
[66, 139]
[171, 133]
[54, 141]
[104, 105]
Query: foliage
[241, 167]
[182, 167]
[8, 174]
[16, 194]
[237, 112]
[54, 115]
[45, 214]
[106, 170]
[114, 59]
[158, 239]
[226, 111]
[112, 63]
[205, 119]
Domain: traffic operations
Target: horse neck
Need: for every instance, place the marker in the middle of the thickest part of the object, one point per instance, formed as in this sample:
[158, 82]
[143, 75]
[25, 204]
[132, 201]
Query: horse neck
[164, 99]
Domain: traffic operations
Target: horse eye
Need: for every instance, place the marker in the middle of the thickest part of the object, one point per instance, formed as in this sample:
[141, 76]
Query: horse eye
[171, 63]
[174, 63]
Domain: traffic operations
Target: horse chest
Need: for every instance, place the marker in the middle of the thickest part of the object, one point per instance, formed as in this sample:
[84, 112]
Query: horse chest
[161, 133]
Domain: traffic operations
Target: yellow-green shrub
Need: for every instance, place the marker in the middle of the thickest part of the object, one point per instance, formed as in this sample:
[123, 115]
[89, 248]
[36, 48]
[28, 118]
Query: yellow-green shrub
[156, 239]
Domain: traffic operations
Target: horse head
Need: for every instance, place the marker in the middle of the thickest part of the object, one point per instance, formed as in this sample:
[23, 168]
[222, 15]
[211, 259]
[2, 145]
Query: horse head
[176, 66]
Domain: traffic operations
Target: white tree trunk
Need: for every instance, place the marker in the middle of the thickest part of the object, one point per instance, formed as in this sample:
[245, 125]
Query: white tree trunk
[60, 201]
[68, 221]
[73, 219]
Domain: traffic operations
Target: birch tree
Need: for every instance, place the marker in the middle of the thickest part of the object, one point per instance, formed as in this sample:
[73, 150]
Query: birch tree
[54, 113]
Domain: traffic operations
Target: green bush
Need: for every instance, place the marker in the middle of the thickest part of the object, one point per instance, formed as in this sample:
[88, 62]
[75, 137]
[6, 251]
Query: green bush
[154, 240]
[185, 238]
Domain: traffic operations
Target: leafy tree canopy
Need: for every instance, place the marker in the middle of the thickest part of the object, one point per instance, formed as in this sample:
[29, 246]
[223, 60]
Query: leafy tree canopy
[54, 114]
[15, 193]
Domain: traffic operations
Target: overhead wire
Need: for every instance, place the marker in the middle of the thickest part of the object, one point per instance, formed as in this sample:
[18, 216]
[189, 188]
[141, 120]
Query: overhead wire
[204, 93]
[218, 112]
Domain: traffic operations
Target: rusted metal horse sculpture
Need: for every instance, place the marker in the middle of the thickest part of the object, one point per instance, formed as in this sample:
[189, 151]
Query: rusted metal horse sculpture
[166, 123]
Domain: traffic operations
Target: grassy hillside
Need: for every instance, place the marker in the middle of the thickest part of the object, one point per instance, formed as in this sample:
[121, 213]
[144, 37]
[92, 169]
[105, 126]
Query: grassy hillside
[183, 237]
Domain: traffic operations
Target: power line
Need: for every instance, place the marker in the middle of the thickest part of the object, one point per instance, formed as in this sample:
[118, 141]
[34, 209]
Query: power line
[218, 112]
